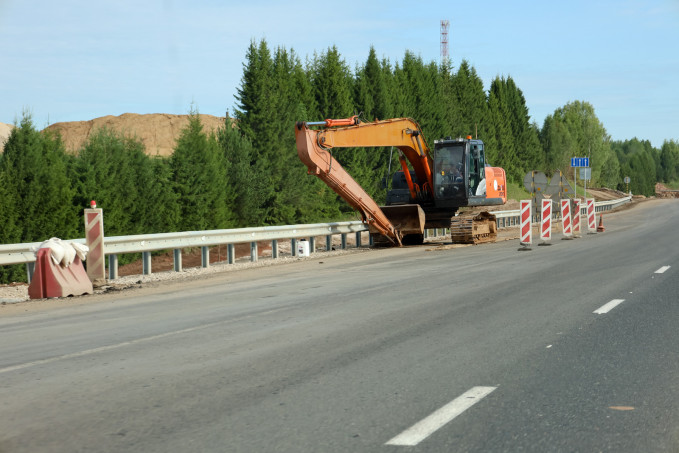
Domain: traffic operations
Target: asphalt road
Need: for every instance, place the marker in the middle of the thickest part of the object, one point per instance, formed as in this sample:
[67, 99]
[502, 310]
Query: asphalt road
[424, 349]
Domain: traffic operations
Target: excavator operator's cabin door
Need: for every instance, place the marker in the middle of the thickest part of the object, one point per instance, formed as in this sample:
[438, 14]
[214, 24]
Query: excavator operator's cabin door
[449, 173]
[476, 162]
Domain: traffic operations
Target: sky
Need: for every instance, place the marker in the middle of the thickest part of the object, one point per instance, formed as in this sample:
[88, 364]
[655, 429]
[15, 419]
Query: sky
[73, 60]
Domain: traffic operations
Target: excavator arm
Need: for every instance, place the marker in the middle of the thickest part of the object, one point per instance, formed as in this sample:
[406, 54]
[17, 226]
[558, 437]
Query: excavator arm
[313, 147]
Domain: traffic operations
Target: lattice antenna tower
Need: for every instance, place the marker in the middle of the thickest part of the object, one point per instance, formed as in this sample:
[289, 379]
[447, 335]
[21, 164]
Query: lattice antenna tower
[445, 26]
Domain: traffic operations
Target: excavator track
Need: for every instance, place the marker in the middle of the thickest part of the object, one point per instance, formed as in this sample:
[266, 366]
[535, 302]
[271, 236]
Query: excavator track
[473, 228]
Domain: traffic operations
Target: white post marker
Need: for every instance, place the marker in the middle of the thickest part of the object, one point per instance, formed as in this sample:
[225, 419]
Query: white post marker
[526, 227]
[566, 218]
[591, 215]
[94, 236]
[576, 216]
[426, 427]
[546, 224]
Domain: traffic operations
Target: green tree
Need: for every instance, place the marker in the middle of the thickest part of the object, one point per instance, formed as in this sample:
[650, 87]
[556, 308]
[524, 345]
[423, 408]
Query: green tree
[199, 176]
[105, 173]
[669, 158]
[518, 144]
[575, 131]
[471, 103]
[34, 165]
[238, 153]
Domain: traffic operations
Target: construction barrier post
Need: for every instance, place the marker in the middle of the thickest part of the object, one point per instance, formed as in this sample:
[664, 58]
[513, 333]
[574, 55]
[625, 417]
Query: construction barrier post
[94, 237]
[566, 219]
[526, 226]
[576, 217]
[546, 223]
[591, 216]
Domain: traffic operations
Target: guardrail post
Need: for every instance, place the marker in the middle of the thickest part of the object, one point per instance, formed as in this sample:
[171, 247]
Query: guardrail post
[178, 260]
[146, 263]
[312, 245]
[112, 266]
[358, 239]
[328, 243]
[204, 256]
[253, 252]
[344, 241]
[231, 252]
[274, 248]
[293, 244]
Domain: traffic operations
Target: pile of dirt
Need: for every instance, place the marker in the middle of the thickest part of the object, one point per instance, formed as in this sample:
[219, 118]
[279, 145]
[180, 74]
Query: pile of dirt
[5, 130]
[158, 131]
[662, 191]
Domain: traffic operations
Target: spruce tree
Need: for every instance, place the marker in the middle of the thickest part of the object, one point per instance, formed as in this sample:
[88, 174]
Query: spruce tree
[199, 177]
[106, 174]
[34, 165]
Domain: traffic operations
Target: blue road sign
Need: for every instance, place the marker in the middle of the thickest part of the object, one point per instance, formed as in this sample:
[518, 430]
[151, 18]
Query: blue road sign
[579, 161]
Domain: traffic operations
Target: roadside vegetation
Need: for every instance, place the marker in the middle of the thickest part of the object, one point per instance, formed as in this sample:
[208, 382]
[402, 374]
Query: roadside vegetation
[248, 173]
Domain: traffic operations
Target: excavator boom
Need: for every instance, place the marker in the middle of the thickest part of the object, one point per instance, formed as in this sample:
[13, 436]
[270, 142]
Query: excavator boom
[403, 133]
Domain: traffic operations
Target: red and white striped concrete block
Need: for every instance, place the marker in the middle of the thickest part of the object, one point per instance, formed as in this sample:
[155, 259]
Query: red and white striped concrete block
[566, 218]
[546, 223]
[591, 215]
[526, 228]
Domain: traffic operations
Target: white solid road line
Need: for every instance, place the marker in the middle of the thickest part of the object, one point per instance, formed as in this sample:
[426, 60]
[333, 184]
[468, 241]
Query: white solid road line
[424, 428]
[662, 270]
[609, 306]
[111, 347]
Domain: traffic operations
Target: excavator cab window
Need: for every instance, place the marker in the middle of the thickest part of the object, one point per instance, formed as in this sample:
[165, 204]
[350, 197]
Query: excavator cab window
[449, 171]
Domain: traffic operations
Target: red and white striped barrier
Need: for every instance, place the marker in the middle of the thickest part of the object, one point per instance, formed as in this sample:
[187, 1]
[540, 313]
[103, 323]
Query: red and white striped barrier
[591, 215]
[576, 216]
[526, 227]
[94, 237]
[546, 223]
[566, 218]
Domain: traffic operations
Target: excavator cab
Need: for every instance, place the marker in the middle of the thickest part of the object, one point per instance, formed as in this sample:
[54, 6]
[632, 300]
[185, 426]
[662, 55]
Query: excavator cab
[449, 171]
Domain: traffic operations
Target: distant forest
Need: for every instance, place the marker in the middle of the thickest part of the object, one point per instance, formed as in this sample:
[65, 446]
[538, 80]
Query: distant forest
[247, 173]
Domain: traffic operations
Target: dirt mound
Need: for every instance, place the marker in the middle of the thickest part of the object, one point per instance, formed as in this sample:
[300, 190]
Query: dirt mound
[158, 131]
[662, 191]
[5, 130]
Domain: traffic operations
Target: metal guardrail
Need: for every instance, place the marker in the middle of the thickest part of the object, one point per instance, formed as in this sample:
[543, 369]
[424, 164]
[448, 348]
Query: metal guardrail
[146, 243]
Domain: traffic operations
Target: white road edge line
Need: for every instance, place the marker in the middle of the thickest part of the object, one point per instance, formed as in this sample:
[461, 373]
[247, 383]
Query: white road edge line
[609, 306]
[87, 352]
[427, 426]
[662, 270]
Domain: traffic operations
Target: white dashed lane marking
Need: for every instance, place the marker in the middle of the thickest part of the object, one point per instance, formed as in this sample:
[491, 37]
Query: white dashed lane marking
[662, 270]
[424, 428]
[609, 306]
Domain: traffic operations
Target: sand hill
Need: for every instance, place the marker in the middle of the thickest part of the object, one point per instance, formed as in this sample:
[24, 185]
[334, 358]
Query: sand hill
[5, 130]
[158, 131]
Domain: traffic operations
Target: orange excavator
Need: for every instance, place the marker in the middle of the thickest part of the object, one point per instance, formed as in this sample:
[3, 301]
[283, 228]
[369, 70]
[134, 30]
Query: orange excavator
[428, 194]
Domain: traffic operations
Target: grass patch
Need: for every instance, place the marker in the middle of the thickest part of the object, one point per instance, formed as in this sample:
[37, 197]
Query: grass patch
[517, 192]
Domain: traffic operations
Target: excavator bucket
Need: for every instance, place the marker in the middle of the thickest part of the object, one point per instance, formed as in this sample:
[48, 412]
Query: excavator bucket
[406, 218]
